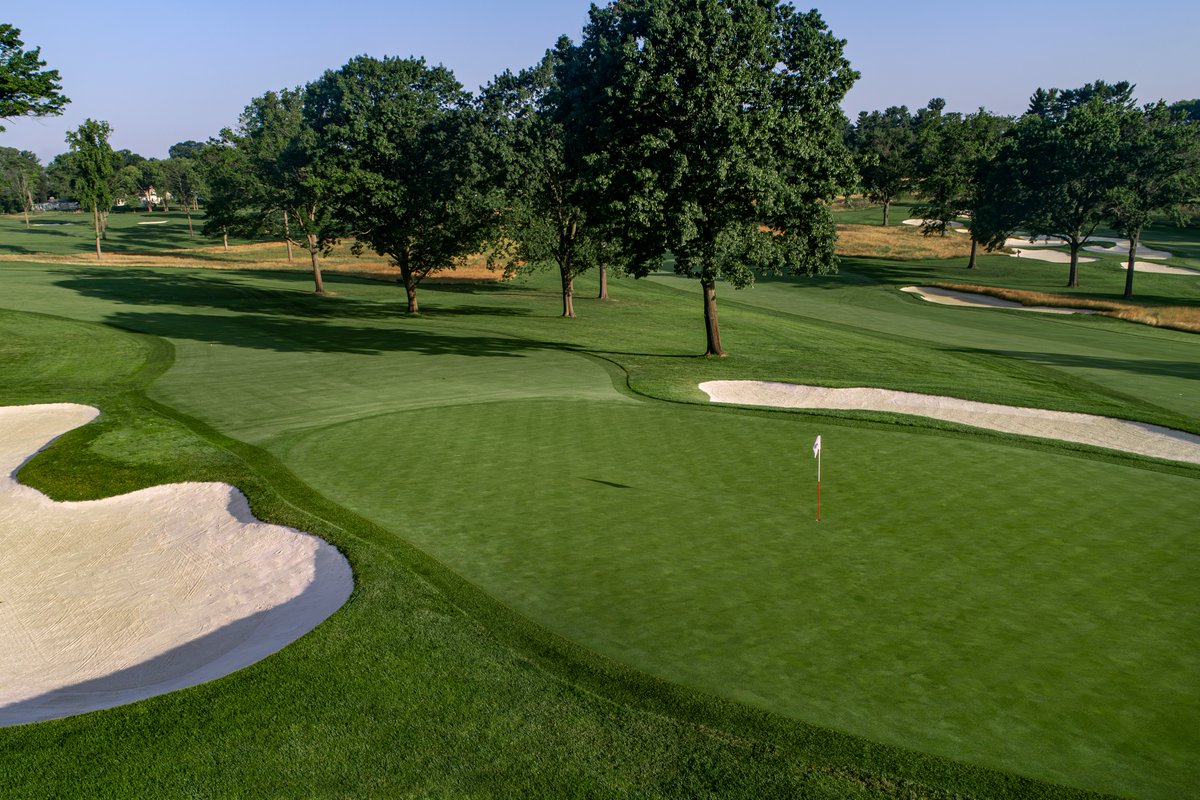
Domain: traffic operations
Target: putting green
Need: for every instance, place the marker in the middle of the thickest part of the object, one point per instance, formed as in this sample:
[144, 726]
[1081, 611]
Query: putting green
[1003, 603]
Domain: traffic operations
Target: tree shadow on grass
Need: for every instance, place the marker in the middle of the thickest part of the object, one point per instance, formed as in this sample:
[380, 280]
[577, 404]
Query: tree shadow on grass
[280, 334]
[247, 291]
[236, 291]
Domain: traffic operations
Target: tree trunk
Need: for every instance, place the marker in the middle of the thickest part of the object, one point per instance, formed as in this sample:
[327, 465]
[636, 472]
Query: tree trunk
[314, 254]
[711, 327]
[974, 247]
[568, 291]
[96, 225]
[887, 210]
[287, 234]
[188, 211]
[603, 283]
[410, 288]
[1073, 276]
[1133, 244]
[104, 225]
[225, 239]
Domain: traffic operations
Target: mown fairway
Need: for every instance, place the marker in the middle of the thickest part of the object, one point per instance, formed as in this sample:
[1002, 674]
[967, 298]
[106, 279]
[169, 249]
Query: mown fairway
[1005, 603]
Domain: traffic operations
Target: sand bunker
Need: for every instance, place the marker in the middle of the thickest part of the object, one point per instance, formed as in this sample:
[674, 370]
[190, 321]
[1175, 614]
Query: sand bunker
[1021, 241]
[1053, 256]
[1116, 434]
[1161, 269]
[949, 297]
[916, 222]
[156, 222]
[110, 601]
[1120, 247]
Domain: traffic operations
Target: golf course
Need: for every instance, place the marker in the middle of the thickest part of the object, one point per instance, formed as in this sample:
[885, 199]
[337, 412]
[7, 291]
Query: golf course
[575, 575]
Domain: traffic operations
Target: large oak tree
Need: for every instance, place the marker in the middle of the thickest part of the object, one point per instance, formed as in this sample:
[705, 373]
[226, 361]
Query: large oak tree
[1159, 156]
[1056, 168]
[264, 179]
[543, 203]
[714, 131]
[400, 144]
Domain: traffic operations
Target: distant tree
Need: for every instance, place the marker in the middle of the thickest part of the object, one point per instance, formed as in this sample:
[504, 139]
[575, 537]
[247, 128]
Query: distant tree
[713, 130]
[542, 206]
[21, 172]
[26, 89]
[188, 149]
[883, 144]
[183, 181]
[398, 139]
[126, 183]
[1190, 109]
[93, 164]
[952, 151]
[1056, 168]
[1159, 156]
[59, 173]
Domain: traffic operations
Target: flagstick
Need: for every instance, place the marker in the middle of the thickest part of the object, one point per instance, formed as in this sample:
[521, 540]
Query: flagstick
[818, 486]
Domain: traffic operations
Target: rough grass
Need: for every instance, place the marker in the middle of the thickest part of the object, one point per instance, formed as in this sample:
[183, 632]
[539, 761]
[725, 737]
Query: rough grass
[904, 242]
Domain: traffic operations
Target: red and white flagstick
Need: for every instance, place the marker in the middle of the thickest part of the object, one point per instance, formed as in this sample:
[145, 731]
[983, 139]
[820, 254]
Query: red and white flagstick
[817, 456]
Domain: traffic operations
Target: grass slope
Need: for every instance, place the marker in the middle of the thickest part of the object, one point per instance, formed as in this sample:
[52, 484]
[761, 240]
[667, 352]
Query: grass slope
[1030, 630]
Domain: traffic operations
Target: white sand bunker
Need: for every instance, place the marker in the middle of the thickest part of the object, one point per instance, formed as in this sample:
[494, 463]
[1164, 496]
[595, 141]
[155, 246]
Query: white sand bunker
[949, 297]
[1116, 434]
[110, 601]
[1023, 241]
[1161, 269]
[917, 222]
[1120, 247]
[1053, 256]
[157, 222]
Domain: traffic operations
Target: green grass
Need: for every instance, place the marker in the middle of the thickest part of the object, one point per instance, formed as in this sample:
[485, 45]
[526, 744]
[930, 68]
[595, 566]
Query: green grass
[71, 233]
[568, 588]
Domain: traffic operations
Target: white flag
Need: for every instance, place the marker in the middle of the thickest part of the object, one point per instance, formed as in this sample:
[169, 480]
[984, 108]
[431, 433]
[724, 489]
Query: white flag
[817, 447]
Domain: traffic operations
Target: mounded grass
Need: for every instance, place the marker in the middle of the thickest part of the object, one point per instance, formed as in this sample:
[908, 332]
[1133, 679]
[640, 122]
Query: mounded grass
[1002, 602]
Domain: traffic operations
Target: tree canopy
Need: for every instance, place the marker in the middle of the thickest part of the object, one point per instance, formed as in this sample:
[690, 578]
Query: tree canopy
[26, 88]
[1056, 168]
[713, 130]
[544, 198]
[93, 163]
[1159, 158]
[884, 147]
[398, 143]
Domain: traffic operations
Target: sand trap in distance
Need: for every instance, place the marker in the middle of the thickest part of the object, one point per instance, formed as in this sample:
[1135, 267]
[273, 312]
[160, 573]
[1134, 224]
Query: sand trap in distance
[156, 222]
[949, 297]
[1161, 269]
[1120, 247]
[1053, 256]
[1116, 434]
[109, 601]
[916, 222]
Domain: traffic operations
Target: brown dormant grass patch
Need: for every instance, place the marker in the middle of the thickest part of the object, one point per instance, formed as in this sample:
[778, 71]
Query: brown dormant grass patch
[1180, 318]
[901, 242]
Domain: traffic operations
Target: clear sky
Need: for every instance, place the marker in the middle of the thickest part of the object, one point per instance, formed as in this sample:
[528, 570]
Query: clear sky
[168, 71]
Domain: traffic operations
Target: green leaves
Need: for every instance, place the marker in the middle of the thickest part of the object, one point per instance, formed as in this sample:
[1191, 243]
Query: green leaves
[93, 164]
[25, 88]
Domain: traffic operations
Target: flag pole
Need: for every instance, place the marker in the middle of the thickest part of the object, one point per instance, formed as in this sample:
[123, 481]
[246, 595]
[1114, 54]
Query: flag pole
[817, 455]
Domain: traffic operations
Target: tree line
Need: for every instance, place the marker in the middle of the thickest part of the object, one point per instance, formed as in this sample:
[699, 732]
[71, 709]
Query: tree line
[711, 132]
[1075, 161]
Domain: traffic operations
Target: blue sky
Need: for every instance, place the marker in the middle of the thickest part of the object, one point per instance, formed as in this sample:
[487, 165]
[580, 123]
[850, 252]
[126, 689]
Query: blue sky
[165, 72]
